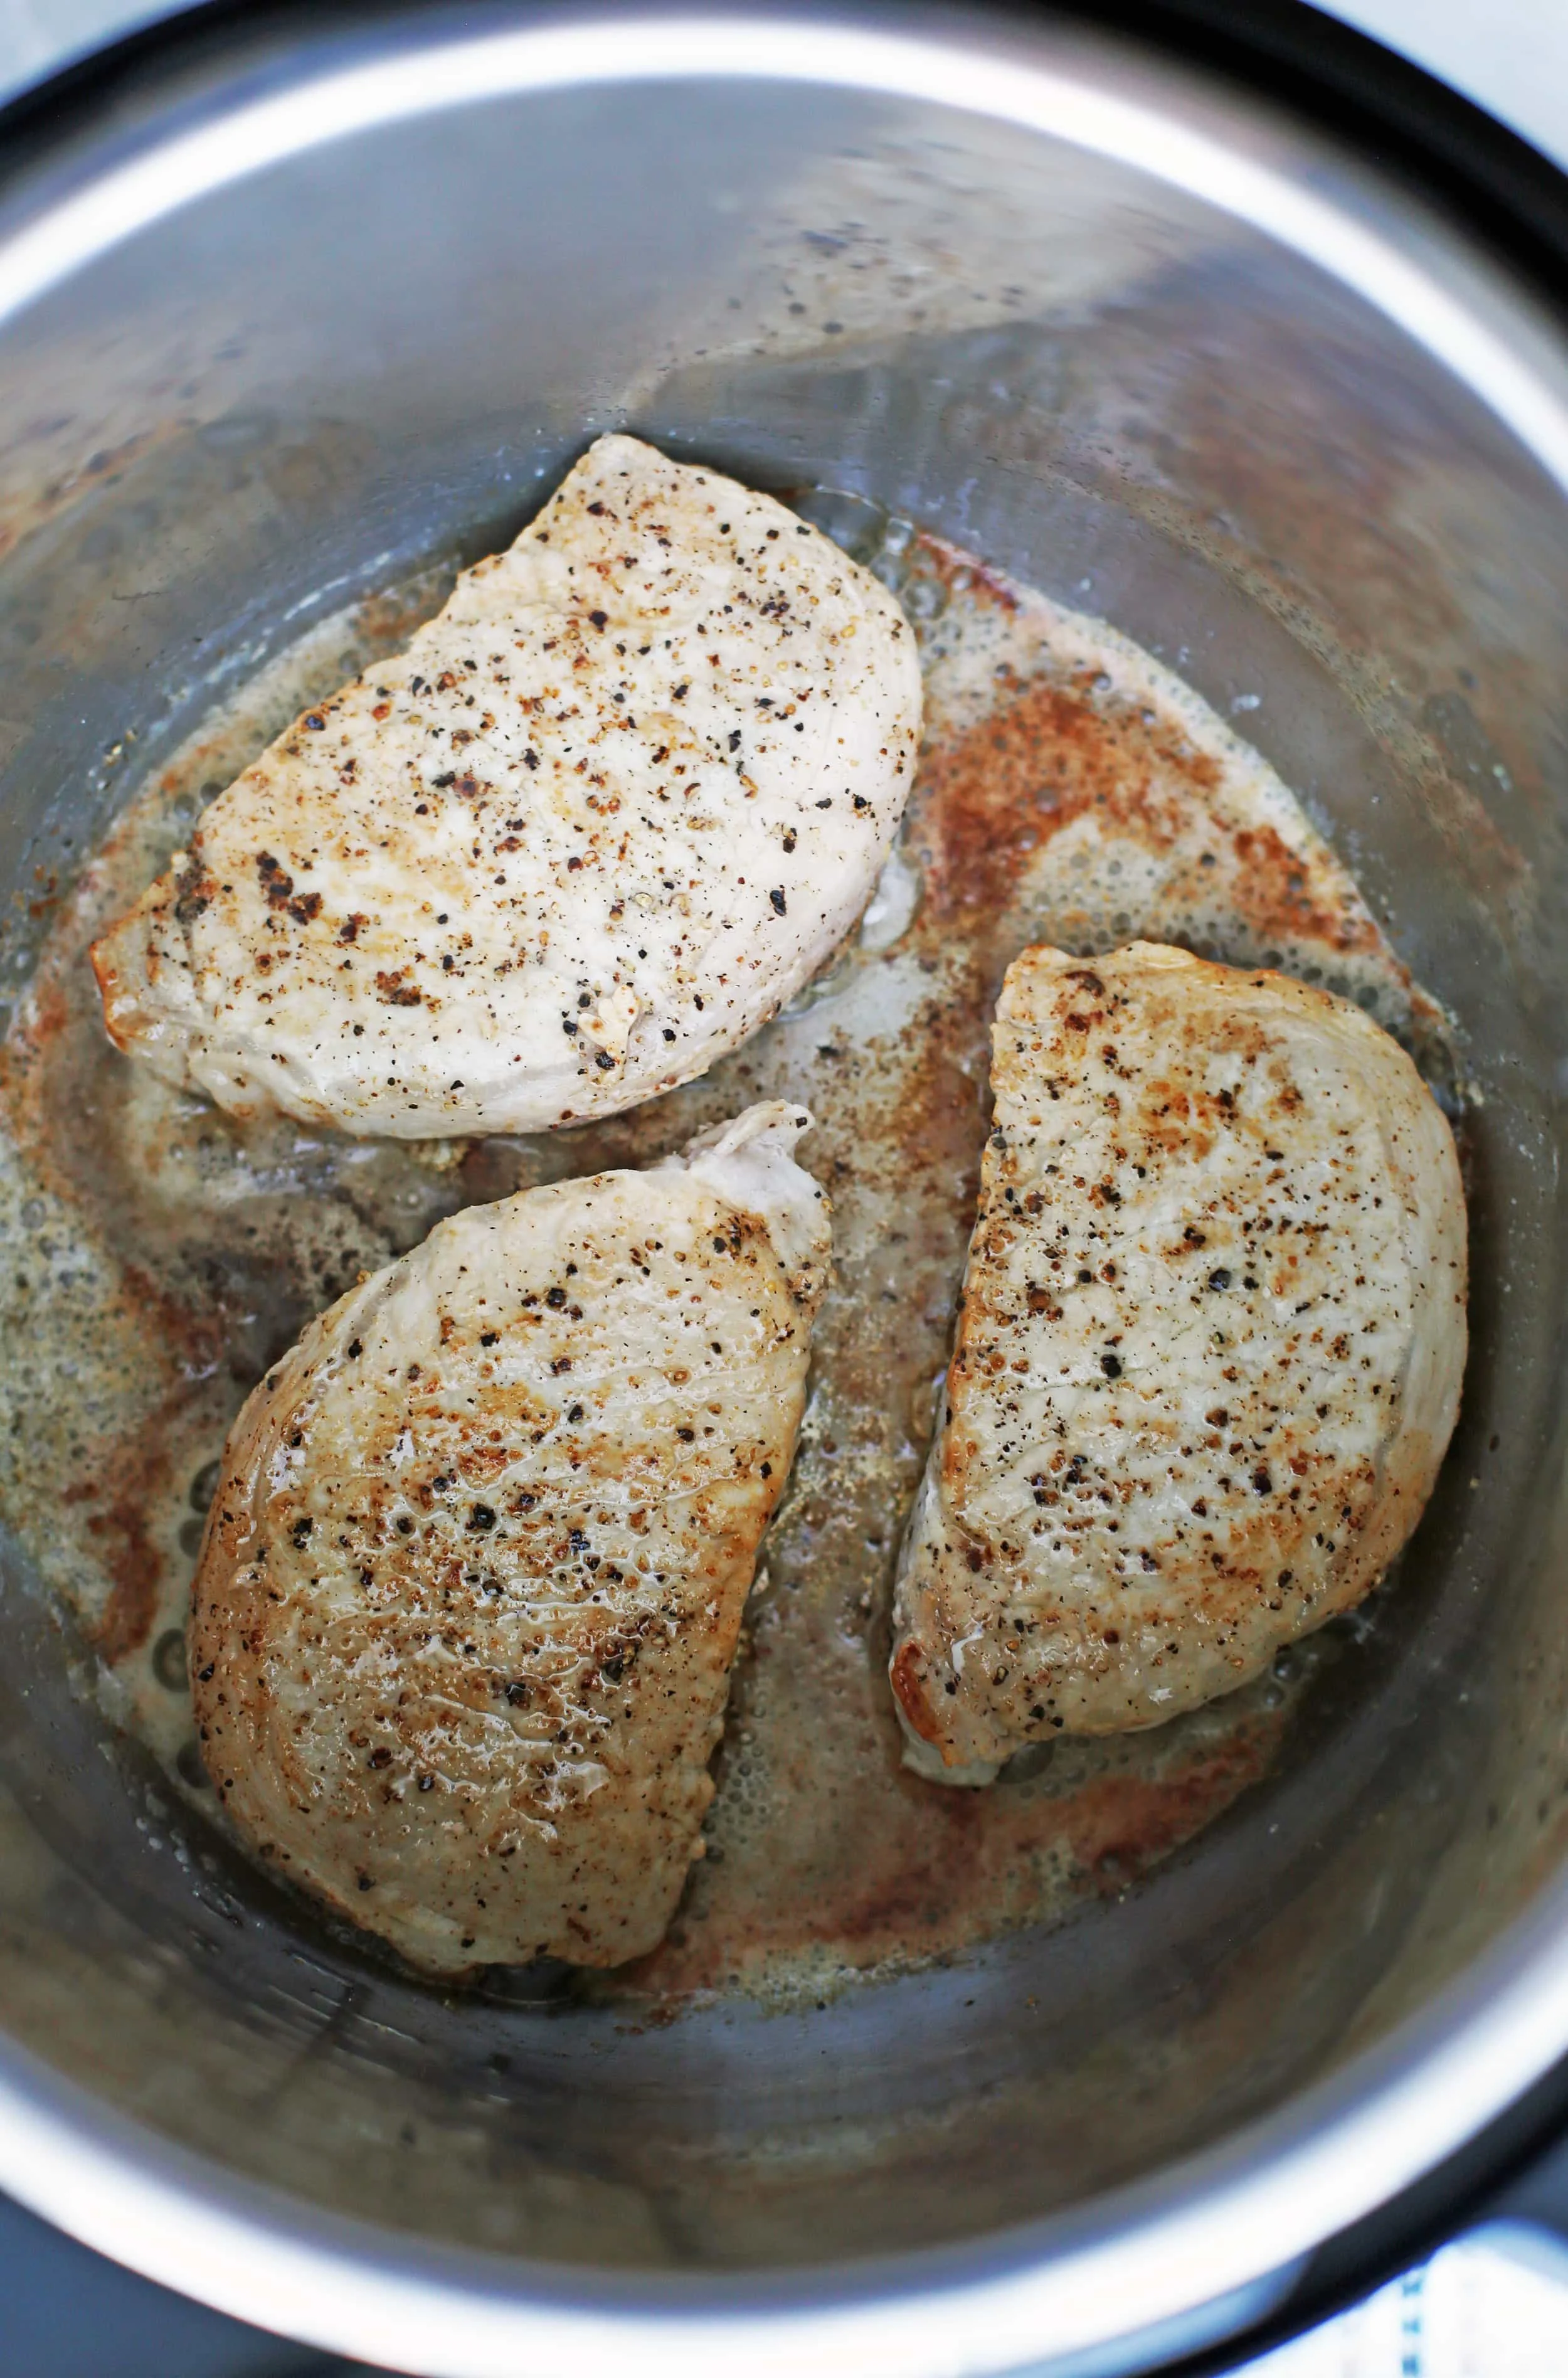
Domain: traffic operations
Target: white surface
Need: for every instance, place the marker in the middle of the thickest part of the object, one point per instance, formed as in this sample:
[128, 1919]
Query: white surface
[1510, 56]
[38, 34]
[1471, 2313]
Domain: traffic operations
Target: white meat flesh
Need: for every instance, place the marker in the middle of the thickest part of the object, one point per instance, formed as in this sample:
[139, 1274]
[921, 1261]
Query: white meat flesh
[472, 1582]
[1208, 1357]
[600, 820]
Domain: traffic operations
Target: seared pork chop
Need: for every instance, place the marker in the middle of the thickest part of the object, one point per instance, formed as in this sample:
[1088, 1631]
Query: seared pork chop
[471, 1585]
[1208, 1357]
[602, 818]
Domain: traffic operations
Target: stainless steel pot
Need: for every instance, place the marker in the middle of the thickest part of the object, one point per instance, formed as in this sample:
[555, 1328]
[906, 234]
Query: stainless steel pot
[288, 306]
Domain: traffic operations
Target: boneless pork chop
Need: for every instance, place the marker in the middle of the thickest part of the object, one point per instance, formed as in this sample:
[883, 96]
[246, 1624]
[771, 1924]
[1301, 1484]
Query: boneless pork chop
[471, 1585]
[604, 815]
[1208, 1358]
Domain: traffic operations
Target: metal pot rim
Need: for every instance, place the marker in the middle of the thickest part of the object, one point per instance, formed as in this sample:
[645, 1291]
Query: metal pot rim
[1211, 2244]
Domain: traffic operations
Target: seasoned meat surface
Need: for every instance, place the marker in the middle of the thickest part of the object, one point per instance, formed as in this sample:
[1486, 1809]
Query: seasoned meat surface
[472, 1582]
[604, 814]
[1208, 1357]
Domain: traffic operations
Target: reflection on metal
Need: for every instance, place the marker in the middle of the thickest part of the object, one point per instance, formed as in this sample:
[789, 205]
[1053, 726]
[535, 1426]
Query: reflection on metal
[1107, 326]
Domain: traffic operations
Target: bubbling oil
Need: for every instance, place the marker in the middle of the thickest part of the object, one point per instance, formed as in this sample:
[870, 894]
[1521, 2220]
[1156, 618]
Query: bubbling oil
[156, 1257]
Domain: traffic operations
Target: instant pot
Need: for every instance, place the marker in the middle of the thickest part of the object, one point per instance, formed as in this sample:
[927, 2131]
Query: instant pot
[1237, 335]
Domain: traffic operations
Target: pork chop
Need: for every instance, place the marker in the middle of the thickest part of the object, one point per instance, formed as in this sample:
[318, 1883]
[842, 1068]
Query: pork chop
[600, 819]
[473, 1581]
[1208, 1356]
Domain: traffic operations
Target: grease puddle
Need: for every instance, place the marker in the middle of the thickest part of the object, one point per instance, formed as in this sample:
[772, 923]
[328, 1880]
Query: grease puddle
[155, 1257]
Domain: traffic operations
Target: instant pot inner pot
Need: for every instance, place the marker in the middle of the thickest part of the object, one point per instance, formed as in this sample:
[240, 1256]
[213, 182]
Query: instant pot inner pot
[303, 387]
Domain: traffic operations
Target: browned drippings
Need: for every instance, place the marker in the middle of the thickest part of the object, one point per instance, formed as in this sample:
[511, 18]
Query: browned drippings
[1048, 754]
[166, 1254]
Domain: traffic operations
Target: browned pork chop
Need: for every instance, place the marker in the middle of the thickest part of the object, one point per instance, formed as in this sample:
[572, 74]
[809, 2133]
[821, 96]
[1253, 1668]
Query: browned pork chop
[474, 1578]
[602, 817]
[1208, 1358]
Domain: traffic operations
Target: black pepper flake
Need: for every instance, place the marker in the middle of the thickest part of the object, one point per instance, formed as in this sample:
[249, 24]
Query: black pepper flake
[556, 1296]
[427, 1784]
[668, 1033]
[531, 758]
[575, 1414]
[481, 1520]
[489, 1337]
[601, 619]
[1111, 1365]
[277, 886]
[356, 1348]
[681, 690]
[443, 782]
[734, 738]
[1220, 1278]
[685, 1434]
[314, 720]
[301, 1530]
[604, 1059]
[777, 899]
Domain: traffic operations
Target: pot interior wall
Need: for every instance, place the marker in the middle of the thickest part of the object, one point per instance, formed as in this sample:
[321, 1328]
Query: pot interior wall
[384, 351]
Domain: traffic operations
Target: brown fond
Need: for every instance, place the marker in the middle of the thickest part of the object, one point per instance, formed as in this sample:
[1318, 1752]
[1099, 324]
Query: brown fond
[826, 1856]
